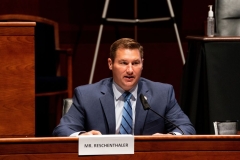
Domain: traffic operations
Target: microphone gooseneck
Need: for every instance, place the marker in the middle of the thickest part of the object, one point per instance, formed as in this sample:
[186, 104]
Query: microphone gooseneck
[146, 106]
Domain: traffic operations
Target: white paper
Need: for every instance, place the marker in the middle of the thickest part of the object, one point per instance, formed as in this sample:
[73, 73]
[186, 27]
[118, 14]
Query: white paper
[105, 144]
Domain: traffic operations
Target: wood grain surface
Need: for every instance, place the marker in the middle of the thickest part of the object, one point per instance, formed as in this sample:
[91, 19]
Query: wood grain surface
[17, 79]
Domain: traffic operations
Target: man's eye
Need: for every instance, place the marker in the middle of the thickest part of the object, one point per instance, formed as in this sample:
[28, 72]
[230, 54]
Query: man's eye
[135, 63]
[123, 63]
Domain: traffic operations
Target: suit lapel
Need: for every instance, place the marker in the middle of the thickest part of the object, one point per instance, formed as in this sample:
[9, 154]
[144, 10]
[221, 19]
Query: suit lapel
[141, 114]
[107, 102]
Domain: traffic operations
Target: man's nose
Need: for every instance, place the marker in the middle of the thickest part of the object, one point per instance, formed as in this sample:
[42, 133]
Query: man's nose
[129, 68]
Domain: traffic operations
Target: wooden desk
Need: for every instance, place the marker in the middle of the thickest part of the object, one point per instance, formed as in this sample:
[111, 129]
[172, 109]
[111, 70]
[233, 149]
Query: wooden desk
[199, 147]
[211, 81]
[17, 80]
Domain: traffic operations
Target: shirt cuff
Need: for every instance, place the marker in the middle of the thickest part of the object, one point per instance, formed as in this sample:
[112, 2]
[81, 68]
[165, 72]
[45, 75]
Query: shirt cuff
[175, 133]
[75, 134]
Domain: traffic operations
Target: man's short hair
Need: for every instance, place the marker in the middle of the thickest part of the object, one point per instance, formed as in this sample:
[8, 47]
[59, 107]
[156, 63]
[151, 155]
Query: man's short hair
[125, 43]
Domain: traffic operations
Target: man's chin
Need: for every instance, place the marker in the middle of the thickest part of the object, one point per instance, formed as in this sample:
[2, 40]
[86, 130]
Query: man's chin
[128, 85]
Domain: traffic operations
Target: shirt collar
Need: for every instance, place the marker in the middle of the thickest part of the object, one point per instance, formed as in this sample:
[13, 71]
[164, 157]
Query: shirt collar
[118, 91]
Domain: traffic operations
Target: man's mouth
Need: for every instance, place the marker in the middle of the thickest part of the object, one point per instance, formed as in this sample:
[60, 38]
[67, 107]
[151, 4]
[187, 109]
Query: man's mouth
[129, 77]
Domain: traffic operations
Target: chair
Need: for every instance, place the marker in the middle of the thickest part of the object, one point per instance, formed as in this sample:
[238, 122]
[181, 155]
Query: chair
[66, 105]
[227, 17]
[53, 66]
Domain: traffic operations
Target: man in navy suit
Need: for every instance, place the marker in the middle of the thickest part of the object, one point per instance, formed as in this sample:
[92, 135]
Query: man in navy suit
[98, 108]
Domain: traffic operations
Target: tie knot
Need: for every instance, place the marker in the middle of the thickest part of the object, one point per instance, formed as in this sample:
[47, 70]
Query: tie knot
[127, 96]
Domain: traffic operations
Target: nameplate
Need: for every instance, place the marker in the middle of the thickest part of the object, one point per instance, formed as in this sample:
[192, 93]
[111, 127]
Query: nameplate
[105, 144]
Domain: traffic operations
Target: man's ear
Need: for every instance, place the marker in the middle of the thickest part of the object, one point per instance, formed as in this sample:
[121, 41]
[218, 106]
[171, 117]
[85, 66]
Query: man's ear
[110, 63]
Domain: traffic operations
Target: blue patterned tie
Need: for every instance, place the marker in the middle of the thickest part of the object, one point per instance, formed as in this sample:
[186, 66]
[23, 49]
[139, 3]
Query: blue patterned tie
[126, 125]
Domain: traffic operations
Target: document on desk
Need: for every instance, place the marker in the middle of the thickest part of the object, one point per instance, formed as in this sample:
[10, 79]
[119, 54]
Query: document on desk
[105, 144]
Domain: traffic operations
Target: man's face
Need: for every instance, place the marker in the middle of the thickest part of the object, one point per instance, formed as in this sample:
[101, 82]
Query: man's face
[126, 68]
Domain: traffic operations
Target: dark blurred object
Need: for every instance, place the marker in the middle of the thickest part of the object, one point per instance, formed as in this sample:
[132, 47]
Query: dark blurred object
[227, 17]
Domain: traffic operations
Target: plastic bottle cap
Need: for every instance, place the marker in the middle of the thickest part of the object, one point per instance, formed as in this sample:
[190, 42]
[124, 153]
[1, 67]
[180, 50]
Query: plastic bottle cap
[210, 12]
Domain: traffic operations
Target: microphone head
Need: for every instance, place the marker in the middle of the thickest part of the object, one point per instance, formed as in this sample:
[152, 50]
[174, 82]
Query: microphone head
[144, 102]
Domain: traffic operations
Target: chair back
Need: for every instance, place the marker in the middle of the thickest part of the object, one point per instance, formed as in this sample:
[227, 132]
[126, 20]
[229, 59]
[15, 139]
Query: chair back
[23, 17]
[46, 42]
[51, 72]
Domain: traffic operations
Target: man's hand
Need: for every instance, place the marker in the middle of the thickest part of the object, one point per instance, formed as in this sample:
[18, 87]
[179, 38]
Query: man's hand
[92, 132]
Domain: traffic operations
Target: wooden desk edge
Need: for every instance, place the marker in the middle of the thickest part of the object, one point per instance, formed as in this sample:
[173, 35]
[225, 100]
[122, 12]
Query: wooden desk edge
[137, 138]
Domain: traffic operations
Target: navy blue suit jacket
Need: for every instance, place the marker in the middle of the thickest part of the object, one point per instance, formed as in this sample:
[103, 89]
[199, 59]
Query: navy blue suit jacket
[93, 108]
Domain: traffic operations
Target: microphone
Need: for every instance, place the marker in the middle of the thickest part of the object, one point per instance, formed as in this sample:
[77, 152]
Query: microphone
[146, 106]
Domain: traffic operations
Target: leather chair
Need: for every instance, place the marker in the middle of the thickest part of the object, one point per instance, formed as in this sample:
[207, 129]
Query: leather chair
[227, 15]
[66, 105]
[53, 68]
